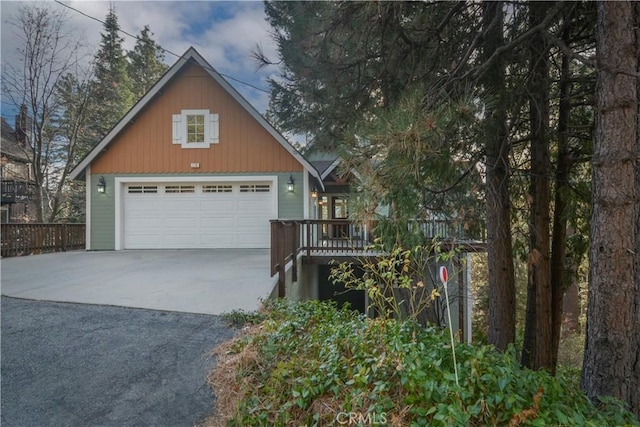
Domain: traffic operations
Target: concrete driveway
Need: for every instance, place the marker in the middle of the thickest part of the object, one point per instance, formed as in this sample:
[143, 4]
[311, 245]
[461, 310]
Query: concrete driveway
[191, 281]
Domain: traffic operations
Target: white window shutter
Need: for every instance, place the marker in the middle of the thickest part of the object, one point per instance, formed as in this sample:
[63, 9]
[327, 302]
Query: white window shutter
[214, 129]
[177, 128]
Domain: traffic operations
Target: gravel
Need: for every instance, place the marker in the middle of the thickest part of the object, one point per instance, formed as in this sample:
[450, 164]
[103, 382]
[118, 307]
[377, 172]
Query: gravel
[90, 365]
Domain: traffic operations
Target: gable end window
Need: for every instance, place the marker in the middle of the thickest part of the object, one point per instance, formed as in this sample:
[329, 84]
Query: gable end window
[196, 129]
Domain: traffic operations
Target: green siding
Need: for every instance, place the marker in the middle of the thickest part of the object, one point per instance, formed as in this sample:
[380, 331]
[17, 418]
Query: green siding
[103, 219]
[290, 205]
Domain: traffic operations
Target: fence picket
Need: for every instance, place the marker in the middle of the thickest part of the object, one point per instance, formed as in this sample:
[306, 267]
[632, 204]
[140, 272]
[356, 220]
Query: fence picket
[26, 239]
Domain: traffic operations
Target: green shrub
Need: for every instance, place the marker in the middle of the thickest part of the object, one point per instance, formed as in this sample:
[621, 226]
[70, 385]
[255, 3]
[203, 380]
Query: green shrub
[311, 363]
[239, 318]
[398, 281]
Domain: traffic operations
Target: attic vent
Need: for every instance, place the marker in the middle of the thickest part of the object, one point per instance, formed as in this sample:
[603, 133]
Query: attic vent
[216, 189]
[142, 189]
[179, 189]
[255, 188]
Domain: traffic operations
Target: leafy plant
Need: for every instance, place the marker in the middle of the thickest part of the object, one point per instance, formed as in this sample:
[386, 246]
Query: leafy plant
[239, 318]
[308, 363]
[399, 282]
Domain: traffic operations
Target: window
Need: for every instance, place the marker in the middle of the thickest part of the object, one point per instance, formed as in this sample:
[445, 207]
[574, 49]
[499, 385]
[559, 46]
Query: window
[179, 189]
[255, 188]
[142, 189]
[216, 189]
[340, 207]
[196, 129]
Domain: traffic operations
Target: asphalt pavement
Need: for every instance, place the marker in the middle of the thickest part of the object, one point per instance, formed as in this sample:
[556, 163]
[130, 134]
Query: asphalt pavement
[67, 364]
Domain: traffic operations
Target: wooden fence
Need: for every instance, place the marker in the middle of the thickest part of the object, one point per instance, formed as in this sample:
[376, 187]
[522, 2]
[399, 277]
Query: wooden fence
[28, 239]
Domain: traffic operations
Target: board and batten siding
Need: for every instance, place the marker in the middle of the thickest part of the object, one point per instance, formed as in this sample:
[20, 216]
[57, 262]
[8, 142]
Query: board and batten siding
[290, 205]
[103, 219]
[103, 215]
[145, 145]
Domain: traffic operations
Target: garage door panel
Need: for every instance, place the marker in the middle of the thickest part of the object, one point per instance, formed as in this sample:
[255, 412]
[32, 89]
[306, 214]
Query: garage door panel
[183, 230]
[215, 241]
[210, 216]
[253, 222]
[180, 241]
[198, 218]
[190, 208]
[213, 225]
[258, 204]
[143, 206]
[218, 206]
[250, 240]
[143, 241]
[141, 220]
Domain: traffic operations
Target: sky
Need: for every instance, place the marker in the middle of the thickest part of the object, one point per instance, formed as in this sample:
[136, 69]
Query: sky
[224, 33]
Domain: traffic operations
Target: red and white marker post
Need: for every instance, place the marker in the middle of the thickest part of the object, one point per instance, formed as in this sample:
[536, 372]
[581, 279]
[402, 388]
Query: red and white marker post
[444, 278]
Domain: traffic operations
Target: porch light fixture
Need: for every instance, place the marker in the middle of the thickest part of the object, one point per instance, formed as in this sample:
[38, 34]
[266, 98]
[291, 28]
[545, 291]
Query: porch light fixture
[102, 186]
[314, 192]
[290, 184]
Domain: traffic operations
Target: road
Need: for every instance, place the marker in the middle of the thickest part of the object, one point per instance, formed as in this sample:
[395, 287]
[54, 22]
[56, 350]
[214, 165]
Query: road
[91, 365]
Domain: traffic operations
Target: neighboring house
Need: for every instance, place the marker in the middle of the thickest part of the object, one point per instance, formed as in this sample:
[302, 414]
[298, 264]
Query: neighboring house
[18, 187]
[194, 165]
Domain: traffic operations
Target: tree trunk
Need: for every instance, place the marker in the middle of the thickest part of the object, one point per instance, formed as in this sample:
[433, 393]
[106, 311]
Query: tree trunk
[633, 398]
[502, 296]
[559, 277]
[612, 353]
[571, 309]
[537, 347]
[571, 303]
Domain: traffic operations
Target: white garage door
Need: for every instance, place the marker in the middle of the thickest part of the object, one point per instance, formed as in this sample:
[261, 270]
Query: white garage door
[198, 215]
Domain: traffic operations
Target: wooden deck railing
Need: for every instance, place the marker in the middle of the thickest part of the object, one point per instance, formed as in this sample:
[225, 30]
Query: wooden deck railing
[285, 247]
[340, 238]
[27, 239]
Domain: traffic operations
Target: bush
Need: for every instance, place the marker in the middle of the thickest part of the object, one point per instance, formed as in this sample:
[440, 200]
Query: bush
[240, 318]
[397, 280]
[312, 364]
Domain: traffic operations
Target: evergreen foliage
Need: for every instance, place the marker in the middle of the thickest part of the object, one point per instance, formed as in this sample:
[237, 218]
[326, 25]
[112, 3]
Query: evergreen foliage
[438, 108]
[111, 86]
[146, 63]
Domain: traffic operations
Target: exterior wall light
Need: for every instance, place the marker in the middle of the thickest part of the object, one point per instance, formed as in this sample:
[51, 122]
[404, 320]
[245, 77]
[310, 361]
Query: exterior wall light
[290, 184]
[102, 186]
[314, 192]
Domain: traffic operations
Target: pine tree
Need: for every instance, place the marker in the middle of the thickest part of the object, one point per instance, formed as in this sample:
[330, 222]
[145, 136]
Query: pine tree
[612, 353]
[112, 88]
[145, 63]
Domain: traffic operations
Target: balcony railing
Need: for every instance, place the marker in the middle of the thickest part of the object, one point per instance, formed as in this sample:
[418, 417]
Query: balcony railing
[321, 239]
[15, 191]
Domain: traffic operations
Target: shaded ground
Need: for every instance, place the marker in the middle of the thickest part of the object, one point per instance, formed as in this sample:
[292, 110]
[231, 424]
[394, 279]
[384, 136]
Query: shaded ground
[90, 365]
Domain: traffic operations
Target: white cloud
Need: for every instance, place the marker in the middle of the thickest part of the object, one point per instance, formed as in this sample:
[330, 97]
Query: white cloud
[225, 33]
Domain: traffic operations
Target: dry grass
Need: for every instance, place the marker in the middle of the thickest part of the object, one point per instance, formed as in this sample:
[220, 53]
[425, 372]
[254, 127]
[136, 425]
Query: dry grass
[232, 357]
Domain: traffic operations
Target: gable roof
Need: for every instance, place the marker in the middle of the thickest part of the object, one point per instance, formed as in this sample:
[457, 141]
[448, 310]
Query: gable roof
[190, 55]
[9, 145]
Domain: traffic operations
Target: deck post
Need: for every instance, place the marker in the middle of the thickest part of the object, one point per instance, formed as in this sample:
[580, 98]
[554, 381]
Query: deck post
[294, 251]
[281, 281]
[309, 238]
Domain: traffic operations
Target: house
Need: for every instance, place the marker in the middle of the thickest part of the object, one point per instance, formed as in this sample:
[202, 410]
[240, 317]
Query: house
[330, 235]
[18, 186]
[194, 165]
